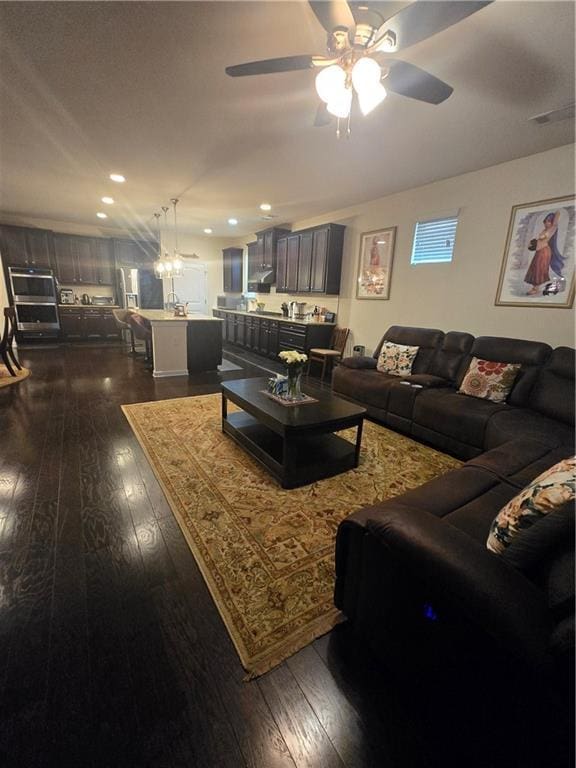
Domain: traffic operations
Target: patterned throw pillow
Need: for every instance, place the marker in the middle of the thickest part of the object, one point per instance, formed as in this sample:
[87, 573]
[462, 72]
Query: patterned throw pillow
[396, 359]
[547, 492]
[489, 380]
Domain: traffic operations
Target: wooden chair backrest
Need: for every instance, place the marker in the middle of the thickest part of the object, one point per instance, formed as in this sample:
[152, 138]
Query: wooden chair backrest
[339, 339]
[9, 326]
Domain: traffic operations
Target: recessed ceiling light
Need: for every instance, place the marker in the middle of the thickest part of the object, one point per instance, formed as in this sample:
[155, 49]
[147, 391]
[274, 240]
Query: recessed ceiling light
[117, 177]
[265, 207]
[101, 215]
[207, 231]
[232, 222]
[108, 200]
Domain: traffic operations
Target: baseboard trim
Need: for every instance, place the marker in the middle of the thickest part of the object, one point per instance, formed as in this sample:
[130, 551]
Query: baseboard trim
[166, 374]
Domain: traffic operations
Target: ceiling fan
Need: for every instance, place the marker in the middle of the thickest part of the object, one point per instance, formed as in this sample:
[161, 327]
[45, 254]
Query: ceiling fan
[359, 65]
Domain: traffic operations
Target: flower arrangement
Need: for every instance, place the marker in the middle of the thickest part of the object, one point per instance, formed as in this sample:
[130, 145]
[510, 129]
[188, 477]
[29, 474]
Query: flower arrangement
[294, 362]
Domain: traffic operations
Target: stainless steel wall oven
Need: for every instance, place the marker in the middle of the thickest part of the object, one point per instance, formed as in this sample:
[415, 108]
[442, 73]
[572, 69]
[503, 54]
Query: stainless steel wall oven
[34, 295]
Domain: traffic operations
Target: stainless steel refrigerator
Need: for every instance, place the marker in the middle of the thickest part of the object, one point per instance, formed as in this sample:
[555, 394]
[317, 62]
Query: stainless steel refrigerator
[139, 288]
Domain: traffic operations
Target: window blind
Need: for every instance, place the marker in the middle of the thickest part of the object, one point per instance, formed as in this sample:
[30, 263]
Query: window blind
[434, 241]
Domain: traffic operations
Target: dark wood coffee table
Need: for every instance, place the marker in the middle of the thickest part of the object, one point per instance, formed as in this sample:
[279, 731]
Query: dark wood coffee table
[297, 443]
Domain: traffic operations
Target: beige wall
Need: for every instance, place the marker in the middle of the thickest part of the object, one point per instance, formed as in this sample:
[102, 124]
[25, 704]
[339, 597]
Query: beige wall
[3, 291]
[460, 295]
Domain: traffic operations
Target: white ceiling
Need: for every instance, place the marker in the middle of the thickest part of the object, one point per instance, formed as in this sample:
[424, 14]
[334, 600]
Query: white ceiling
[139, 88]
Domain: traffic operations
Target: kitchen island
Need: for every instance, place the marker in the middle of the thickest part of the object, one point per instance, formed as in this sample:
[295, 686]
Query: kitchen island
[183, 345]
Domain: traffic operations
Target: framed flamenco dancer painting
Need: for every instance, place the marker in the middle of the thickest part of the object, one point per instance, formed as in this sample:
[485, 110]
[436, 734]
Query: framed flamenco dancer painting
[538, 265]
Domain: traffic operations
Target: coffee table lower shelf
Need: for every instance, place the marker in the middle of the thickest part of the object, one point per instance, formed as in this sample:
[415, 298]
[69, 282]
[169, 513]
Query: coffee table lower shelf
[293, 461]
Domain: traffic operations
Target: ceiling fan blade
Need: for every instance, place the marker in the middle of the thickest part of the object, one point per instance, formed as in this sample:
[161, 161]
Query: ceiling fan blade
[425, 18]
[408, 80]
[323, 117]
[270, 66]
[333, 14]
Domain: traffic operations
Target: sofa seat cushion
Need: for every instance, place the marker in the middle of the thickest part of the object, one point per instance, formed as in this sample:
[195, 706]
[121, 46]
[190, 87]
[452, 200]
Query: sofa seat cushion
[360, 362]
[369, 387]
[458, 416]
[528, 424]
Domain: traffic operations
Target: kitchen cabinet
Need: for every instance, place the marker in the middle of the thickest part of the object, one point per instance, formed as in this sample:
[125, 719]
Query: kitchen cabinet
[305, 262]
[88, 323]
[327, 247]
[267, 336]
[26, 247]
[253, 261]
[292, 253]
[266, 254]
[103, 258]
[233, 271]
[75, 259]
[281, 263]
[310, 261]
[134, 253]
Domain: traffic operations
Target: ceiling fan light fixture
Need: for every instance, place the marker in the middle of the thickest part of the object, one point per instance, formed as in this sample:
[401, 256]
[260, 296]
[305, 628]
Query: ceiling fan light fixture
[369, 99]
[366, 74]
[340, 105]
[329, 82]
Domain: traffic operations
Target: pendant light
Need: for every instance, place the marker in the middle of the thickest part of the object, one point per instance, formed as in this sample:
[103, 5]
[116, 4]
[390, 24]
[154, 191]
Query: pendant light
[167, 266]
[176, 261]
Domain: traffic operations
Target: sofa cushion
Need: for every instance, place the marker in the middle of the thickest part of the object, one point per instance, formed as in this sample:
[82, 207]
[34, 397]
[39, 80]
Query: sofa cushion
[522, 422]
[530, 354]
[451, 359]
[396, 359]
[546, 493]
[553, 393]
[360, 363]
[457, 416]
[427, 339]
[489, 380]
[369, 387]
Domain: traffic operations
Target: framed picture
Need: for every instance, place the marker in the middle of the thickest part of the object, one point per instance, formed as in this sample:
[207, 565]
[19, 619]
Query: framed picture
[538, 265]
[375, 264]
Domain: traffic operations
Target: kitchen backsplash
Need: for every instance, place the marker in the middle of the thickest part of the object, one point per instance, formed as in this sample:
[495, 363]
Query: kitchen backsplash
[273, 301]
[91, 290]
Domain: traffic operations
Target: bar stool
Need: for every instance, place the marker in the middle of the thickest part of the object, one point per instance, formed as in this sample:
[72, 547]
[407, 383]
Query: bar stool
[142, 330]
[6, 350]
[121, 317]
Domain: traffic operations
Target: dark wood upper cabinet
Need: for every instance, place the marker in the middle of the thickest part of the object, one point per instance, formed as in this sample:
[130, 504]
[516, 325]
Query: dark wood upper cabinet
[233, 269]
[281, 253]
[266, 253]
[134, 253]
[253, 260]
[305, 262]
[292, 263]
[85, 260]
[64, 259]
[104, 260]
[327, 246]
[26, 247]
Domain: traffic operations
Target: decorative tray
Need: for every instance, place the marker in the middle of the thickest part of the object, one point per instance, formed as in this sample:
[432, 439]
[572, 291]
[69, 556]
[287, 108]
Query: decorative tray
[306, 399]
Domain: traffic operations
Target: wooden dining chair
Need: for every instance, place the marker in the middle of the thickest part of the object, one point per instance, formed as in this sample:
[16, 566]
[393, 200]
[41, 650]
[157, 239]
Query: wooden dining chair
[6, 350]
[332, 354]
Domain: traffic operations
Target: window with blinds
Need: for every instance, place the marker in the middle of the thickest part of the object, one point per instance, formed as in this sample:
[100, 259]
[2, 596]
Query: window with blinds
[434, 241]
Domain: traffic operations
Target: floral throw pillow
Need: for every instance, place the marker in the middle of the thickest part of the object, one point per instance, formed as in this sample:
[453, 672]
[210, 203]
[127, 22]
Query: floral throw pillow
[489, 380]
[396, 359]
[547, 492]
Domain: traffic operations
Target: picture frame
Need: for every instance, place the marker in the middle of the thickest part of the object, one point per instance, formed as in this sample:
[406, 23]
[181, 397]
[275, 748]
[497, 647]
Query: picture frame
[375, 263]
[538, 265]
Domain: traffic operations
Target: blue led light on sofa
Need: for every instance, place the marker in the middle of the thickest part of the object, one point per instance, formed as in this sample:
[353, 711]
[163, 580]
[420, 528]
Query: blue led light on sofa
[429, 612]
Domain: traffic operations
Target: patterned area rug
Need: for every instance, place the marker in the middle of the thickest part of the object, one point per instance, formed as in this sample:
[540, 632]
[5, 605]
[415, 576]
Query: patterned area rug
[267, 554]
[6, 377]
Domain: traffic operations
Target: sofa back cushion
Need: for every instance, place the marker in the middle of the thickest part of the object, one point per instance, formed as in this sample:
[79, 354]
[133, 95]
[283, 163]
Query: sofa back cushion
[427, 339]
[531, 355]
[553, 393]
[451, 360]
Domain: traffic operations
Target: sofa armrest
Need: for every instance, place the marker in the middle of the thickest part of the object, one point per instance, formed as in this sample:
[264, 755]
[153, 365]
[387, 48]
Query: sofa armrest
[359, 363]
[471, 582]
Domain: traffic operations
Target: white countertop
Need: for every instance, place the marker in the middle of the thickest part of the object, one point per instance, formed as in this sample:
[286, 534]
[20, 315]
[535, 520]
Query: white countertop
[279, 318]
[163, 316]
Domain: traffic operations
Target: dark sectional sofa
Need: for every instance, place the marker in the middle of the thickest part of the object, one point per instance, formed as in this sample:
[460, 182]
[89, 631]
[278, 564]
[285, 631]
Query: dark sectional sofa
[487, 637]
[428, 406]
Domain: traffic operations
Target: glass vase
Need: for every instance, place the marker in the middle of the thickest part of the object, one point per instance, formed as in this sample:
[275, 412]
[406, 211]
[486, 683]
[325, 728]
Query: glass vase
[294, 383]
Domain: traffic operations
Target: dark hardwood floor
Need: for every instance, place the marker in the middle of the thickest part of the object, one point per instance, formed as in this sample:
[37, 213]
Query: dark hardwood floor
[112, 652]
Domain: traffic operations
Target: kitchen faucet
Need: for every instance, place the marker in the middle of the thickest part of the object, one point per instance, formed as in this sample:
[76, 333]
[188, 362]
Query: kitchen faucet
[170, 304]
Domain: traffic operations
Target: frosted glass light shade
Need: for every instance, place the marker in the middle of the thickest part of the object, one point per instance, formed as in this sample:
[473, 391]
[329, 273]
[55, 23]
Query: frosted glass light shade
[369, 99]
[340, 105]
[366, 74]
[329, 82]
